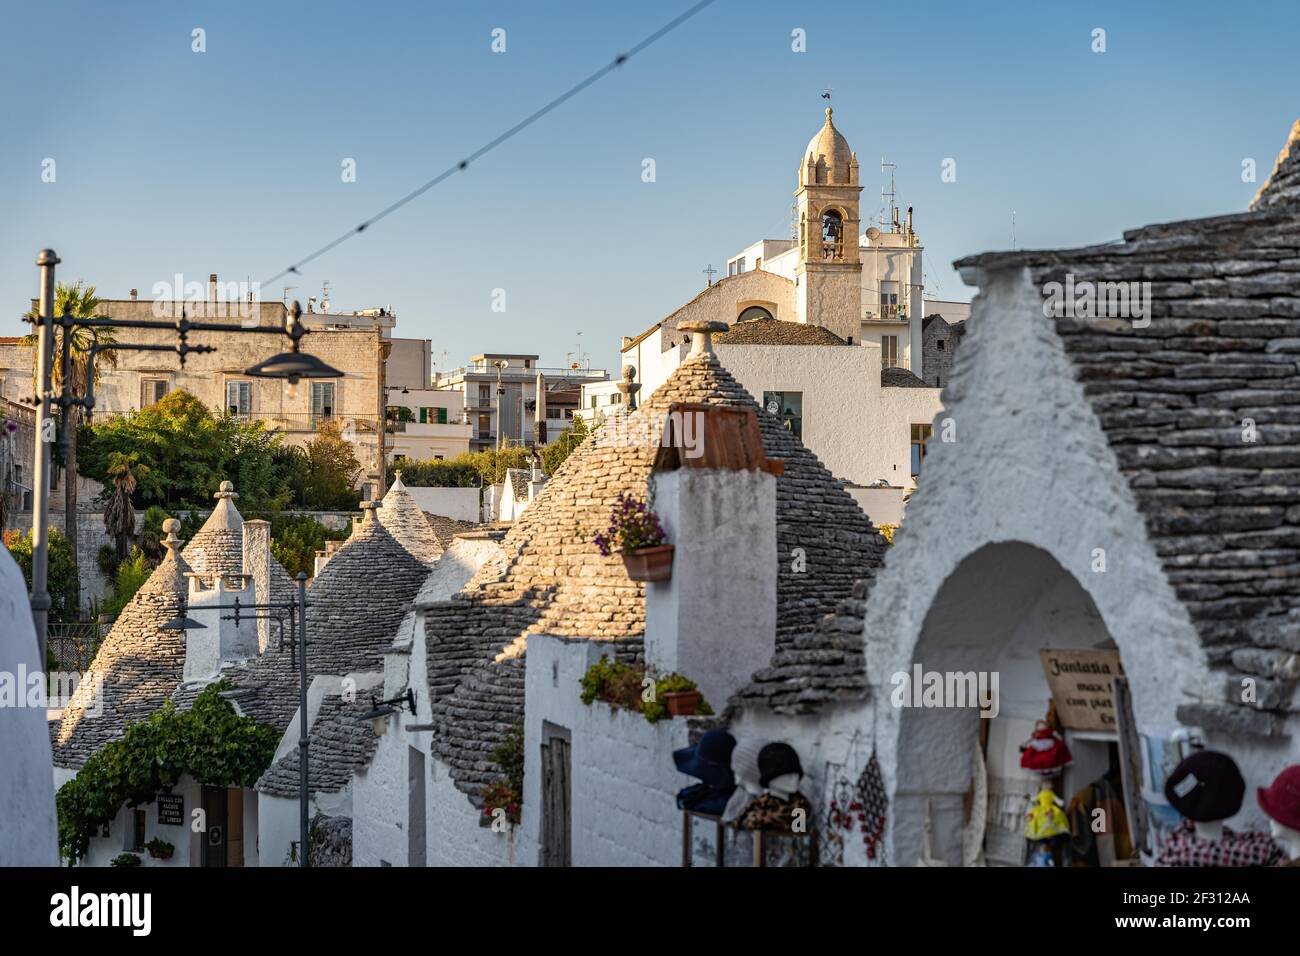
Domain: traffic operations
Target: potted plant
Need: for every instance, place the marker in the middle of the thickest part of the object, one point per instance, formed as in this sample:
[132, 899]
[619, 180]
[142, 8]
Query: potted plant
[160, 849]
[125, 859]
[635, 532]
[676, 696]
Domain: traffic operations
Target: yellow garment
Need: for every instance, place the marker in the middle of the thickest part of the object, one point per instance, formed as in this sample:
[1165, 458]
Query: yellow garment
[1046, 819]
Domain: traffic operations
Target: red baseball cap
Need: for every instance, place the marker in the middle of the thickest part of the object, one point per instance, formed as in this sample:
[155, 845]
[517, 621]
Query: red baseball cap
[1281, 801]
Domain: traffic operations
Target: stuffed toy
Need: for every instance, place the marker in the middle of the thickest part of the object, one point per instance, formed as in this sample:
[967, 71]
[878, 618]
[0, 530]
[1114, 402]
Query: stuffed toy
[1045, 753]
[1046, 818]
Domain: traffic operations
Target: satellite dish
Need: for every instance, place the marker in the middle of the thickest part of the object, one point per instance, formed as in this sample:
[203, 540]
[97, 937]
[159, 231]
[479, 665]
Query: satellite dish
[873, 232]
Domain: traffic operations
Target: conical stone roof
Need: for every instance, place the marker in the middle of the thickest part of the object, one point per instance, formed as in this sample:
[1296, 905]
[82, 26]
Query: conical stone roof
[218, 547]
[137, 666]
[354, 608]
[406, 522]
[554, 580]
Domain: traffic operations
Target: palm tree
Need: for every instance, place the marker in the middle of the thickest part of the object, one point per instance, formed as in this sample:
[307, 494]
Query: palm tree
[119, 513]
[79, 302]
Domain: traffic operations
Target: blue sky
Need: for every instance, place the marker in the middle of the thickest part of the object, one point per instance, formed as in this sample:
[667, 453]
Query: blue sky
[229, 161]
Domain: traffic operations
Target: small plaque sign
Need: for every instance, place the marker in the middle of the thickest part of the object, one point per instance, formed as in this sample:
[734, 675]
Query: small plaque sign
[1081, 684]
[171, 809]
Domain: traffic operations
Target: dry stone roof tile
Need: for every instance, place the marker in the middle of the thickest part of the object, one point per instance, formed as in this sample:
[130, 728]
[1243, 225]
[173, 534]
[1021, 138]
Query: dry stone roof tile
[406, 522]
[776, 332]
[138, 666]
[1202, 410]
[552, 579]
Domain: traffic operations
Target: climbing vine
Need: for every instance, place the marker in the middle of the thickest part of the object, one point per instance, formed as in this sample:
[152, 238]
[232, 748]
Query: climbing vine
[210, 741]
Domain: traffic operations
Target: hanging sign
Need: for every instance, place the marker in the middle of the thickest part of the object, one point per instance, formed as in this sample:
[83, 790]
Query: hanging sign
[171, 809]
[1081, 685]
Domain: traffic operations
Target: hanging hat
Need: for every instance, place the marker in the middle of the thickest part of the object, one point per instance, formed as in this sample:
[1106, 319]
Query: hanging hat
[709, 760]
[744, 762]
[1281, 801]
[777, 760]
[1206, 786]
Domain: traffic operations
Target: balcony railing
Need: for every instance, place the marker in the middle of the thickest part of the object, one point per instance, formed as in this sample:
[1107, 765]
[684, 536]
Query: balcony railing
[886, 313]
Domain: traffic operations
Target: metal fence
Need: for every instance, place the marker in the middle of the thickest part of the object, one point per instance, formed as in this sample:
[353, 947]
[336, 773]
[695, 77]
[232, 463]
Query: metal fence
[73, 645]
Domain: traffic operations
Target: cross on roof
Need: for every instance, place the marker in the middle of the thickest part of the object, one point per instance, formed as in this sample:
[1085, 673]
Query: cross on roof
[710, 272]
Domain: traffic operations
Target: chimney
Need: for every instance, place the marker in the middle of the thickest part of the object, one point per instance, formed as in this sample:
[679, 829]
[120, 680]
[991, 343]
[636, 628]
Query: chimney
[714, 491]
[135, 294]
[220, 640]
[212, 288]
[257, 565]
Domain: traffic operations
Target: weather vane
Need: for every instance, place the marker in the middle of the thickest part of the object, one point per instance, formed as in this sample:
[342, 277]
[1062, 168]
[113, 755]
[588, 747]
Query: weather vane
[826, 93]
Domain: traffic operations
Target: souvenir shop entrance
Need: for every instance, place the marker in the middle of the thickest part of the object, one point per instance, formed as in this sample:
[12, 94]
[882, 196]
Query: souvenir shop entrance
[1016, 744]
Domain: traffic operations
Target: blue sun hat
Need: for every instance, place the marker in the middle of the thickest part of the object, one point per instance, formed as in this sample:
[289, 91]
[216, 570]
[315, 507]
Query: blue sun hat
[709, 760]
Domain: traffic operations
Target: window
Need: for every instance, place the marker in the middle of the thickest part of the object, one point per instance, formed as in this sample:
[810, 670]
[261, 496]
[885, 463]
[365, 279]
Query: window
[888, 351]
[239, 399]
[920, 433]
[152, 390]
[889, 300]
[485, 395]
[752, 313]
[322, 402]
[939, 345]
[788, 407]
[135, 832]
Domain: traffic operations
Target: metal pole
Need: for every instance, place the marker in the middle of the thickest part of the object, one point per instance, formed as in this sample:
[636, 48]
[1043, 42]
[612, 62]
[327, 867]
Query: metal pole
[302, 721]
[47, 260]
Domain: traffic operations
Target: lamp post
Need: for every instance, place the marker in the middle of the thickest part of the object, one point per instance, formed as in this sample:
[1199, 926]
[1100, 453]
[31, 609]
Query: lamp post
[501, 366]
[292, 366]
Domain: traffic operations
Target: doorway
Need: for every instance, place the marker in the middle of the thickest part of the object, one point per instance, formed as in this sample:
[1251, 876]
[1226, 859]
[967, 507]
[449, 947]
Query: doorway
[557, 768]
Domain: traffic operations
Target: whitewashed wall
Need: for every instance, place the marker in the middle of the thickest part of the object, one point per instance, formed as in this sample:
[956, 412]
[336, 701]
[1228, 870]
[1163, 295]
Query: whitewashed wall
[1029, 464]
[860, 431]
[458, 503]
[381, 796]
[624, 782]
[28, 830]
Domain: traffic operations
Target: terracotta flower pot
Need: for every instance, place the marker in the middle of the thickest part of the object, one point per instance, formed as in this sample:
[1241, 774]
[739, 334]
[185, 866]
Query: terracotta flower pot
[649, 564]
[682, 703]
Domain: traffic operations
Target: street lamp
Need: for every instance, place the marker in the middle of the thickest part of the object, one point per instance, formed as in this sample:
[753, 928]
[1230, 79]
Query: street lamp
[290, 366]
[501, 366]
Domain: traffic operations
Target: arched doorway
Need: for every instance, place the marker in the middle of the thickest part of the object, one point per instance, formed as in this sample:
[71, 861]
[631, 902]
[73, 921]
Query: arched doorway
[983, 635]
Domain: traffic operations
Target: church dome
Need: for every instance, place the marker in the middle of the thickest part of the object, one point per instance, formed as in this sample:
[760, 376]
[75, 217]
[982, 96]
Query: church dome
[829, 155]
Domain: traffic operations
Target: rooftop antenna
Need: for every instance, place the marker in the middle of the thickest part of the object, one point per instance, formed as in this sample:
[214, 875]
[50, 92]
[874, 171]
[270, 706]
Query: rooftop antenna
[794, 221]
[1013, 230]
[284, 295]
[325, 296]
[887, 195]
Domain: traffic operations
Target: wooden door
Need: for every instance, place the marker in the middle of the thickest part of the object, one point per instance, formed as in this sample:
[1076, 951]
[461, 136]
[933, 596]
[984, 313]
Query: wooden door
[556, 844]
[214, 834]
[234, 827]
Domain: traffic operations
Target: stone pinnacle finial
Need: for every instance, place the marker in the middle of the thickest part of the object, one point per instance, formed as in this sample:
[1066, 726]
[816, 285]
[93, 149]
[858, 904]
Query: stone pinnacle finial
[170, 526]
[227, 491]
[702, 334]
[368, 510]
[629, 387]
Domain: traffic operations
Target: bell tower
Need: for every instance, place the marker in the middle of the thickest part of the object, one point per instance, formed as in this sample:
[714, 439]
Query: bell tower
[829, 274]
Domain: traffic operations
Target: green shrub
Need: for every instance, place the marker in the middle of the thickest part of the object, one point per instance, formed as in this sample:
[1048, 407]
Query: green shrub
[125, 859]
[211, 742]
[64, 579]
[130, 577]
